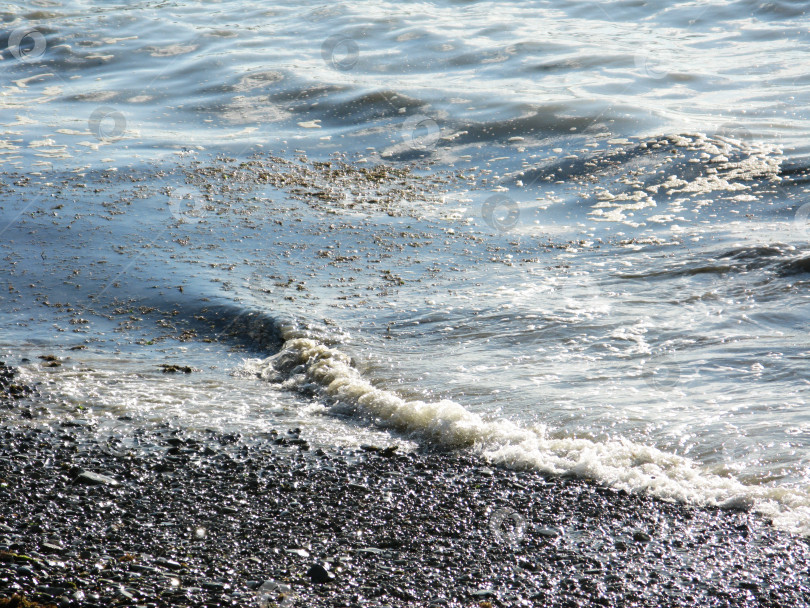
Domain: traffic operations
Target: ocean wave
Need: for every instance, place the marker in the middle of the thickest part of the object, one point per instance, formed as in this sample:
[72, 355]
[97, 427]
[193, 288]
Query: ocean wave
[307, 365]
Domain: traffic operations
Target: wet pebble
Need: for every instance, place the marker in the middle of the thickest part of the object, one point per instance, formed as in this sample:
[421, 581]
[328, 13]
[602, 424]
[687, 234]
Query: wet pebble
[319, 574]
[95, 479]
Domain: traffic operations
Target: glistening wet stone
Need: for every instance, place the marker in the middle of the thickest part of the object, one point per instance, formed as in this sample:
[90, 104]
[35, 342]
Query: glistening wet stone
[95, 479]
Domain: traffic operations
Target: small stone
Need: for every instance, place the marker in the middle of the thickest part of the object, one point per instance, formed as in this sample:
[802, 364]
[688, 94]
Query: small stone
[549, 532]
[174, 369]
[51, 548]
[299, 552]
[482, 593]
[319, 574]
[403, 594]
[641, 537]
[95, 479]
[215, 587]
[168, 563]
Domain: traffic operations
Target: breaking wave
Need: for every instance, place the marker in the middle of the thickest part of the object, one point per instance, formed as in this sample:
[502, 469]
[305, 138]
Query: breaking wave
[307, 365]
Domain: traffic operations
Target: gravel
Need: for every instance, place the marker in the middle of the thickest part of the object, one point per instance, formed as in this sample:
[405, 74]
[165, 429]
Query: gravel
[207, 519]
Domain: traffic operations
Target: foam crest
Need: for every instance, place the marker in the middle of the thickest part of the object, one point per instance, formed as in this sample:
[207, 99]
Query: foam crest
[307, 365]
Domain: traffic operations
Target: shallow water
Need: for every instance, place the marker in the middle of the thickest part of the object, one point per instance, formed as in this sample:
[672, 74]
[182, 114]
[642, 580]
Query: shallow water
[586, 251]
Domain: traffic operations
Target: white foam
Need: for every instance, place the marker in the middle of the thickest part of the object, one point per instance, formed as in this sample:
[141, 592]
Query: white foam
[307, 364]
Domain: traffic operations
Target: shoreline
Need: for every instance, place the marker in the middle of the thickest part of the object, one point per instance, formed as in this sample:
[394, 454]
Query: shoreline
[210, 519]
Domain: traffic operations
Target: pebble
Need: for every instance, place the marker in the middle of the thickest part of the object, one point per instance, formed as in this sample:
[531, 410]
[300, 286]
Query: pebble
[319, 574]
[299, 552]
[641, 537]
[95, 479]
[168, 563]
[482, 593]
[174, 369]
[215, 587]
